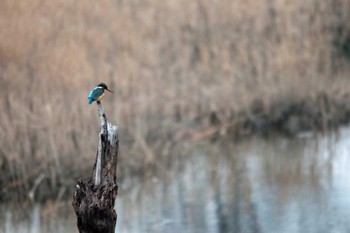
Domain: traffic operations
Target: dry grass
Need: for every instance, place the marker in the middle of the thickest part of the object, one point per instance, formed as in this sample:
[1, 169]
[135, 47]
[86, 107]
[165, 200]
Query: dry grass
[170, 63]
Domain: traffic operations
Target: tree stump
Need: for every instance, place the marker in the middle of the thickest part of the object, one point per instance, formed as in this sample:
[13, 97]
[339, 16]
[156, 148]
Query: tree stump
[93, 200]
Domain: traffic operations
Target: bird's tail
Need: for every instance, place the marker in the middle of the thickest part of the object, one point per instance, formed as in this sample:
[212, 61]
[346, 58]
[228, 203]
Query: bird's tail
[90, 100]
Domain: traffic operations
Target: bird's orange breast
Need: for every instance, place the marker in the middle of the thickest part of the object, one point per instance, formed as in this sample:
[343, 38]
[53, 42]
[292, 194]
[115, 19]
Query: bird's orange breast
[101, 96]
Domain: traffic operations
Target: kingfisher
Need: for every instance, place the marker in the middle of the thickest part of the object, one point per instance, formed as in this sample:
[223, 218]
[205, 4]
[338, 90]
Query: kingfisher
[98, 93]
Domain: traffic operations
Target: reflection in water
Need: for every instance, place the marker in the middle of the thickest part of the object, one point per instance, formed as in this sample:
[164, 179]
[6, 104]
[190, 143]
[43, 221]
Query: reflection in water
[37, 219]
[260, 186]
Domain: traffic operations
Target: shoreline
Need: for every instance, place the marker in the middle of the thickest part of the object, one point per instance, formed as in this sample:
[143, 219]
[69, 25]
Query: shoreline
[318, 114]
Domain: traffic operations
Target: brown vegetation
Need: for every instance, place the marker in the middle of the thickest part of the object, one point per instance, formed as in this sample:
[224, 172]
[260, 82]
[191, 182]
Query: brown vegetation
[177, 68]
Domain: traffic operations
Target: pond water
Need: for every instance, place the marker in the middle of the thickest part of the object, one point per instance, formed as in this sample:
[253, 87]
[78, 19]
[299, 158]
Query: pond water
[273, 185]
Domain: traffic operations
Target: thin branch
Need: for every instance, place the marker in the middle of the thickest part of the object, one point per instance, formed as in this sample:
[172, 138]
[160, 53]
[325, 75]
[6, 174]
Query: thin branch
[103, 139]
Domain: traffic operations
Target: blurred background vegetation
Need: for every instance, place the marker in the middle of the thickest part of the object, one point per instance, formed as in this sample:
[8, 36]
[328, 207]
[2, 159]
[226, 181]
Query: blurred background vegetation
[180, 70]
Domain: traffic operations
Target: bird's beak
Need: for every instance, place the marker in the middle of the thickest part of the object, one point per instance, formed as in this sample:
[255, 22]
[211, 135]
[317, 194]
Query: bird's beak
[109, 90]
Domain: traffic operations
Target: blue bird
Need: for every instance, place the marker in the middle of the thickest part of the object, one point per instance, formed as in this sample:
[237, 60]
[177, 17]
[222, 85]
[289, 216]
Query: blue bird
[98, 93]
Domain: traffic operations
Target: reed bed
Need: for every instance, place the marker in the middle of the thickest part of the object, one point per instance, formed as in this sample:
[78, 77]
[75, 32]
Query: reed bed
[179, 70]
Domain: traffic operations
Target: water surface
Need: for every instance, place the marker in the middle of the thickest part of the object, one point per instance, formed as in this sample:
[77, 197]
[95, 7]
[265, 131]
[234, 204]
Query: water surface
[276, 185]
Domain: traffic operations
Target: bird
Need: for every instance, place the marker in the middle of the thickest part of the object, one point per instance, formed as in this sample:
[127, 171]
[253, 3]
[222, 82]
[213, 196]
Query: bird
[98, 93]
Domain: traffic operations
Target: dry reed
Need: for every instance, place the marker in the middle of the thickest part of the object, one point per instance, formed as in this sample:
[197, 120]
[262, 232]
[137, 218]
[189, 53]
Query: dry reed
[171, 64]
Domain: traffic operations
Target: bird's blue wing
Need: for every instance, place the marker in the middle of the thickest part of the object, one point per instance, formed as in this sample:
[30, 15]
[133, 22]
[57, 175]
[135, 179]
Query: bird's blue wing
[94, 94]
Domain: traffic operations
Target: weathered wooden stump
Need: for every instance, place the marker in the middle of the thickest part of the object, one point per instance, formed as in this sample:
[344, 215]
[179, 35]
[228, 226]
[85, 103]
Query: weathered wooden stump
[93, 200]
